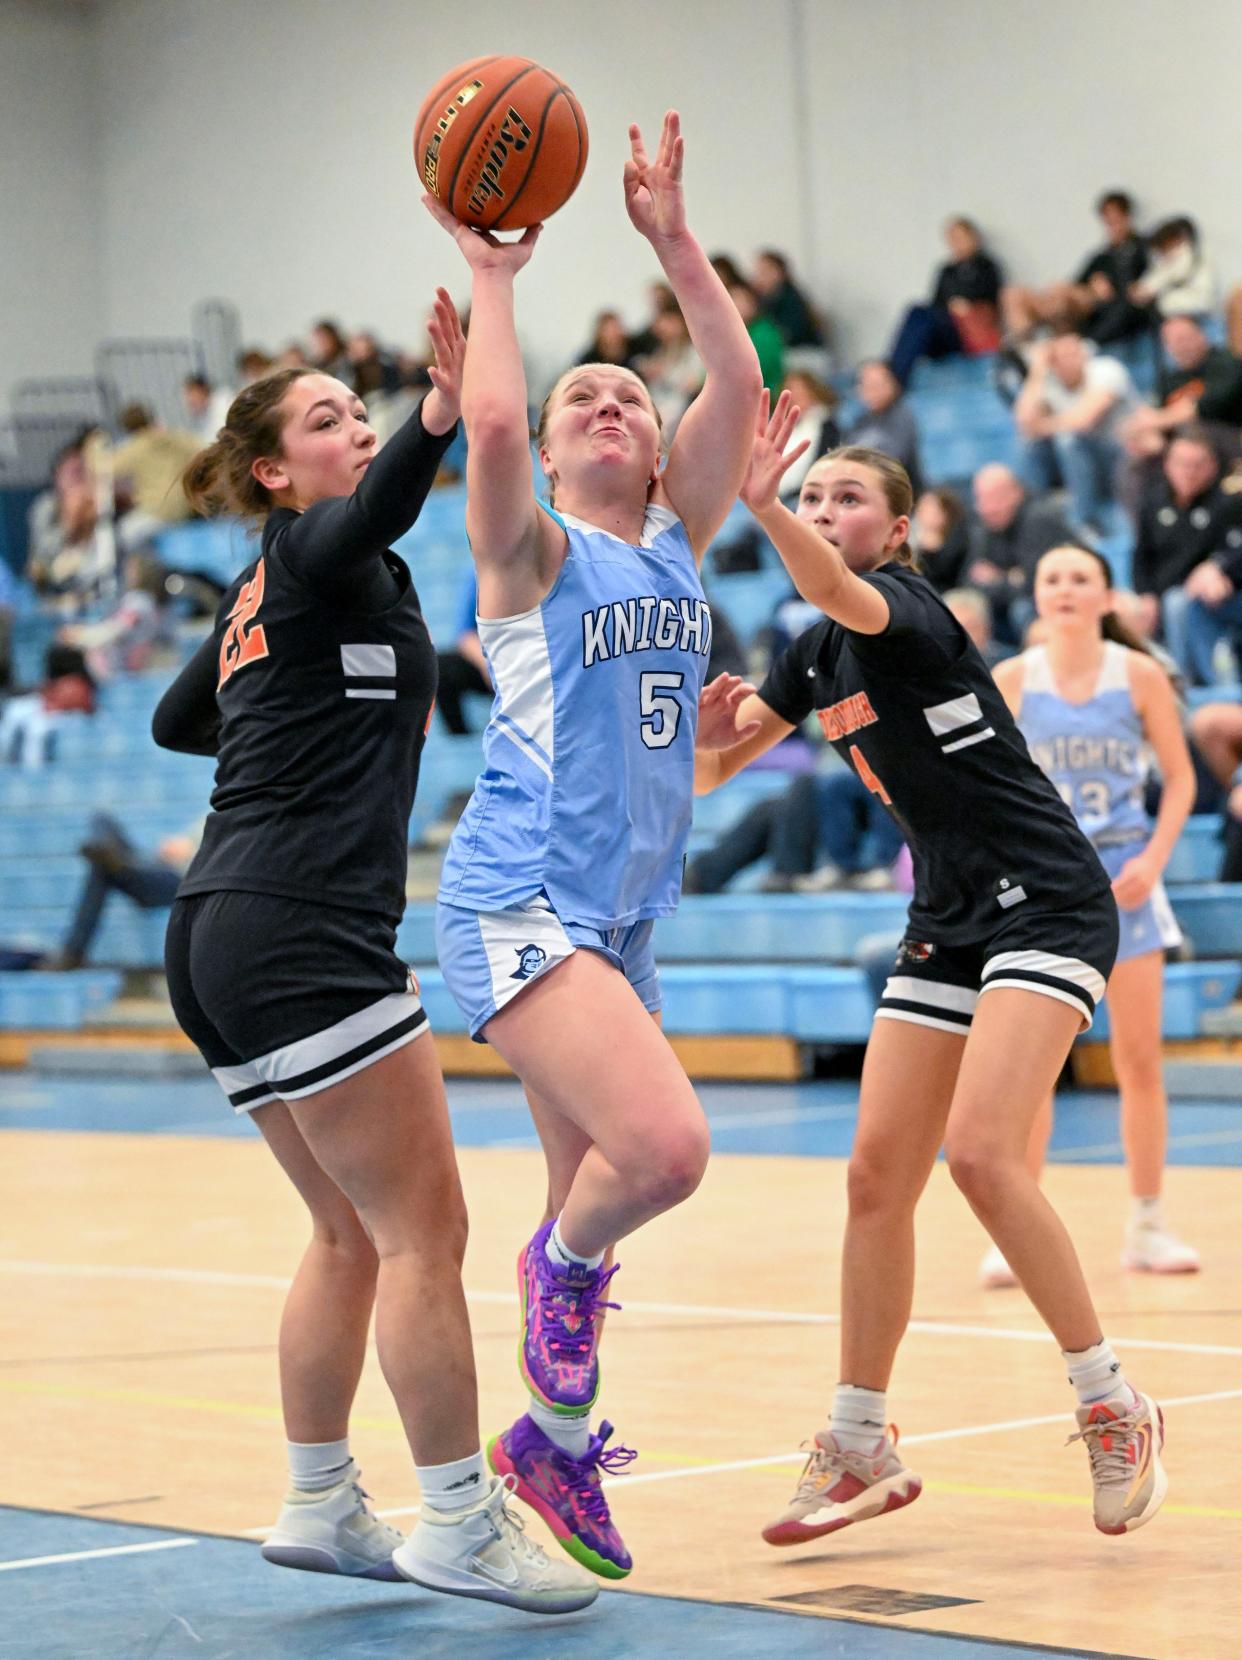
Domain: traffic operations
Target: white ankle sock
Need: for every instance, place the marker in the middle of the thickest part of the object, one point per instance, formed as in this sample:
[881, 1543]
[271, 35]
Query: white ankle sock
[559, 1254]
[572, 1434]
[859, 1417]
[1146, 1213]
[315, 1466]
[455, 1486]
[1096, 1373]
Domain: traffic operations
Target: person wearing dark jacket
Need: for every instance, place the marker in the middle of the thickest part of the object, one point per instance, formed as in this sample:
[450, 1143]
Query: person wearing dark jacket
[963, 311]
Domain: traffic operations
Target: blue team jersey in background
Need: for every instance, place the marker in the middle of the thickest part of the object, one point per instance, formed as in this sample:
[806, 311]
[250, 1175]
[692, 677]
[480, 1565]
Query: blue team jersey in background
[1095, 752]
[588, 777]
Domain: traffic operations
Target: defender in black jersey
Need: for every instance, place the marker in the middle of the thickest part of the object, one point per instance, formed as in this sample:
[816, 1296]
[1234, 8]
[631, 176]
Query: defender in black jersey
[1011, 937]
[315, 690]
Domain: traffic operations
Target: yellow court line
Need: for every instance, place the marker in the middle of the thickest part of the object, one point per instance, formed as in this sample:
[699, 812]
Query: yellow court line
[152, 1397]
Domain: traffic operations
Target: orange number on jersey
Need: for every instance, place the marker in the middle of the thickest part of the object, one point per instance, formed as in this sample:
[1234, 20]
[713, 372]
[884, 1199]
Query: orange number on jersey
[868, 777]
[244, 640]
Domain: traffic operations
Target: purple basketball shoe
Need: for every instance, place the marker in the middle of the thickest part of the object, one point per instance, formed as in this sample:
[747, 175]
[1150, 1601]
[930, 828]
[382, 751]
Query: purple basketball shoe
[566, 1491]
[556, 1351]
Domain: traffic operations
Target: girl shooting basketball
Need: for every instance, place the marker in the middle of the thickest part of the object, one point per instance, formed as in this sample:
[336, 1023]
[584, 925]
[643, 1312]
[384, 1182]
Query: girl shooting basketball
[592, 616]
[1011, 936]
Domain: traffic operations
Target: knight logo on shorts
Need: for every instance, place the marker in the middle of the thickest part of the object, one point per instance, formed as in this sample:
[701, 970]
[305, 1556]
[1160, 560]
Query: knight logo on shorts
[531, 959]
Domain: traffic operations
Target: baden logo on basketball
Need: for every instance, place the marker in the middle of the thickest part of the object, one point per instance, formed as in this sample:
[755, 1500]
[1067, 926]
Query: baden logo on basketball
[513, 137]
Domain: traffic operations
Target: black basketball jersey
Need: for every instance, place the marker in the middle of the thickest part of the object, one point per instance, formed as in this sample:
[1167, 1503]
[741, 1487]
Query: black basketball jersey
[315, 689]
[919, 718]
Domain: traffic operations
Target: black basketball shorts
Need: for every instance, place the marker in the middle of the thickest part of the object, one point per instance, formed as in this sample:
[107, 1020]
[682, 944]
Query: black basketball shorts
[283, 998]
[1066, 954]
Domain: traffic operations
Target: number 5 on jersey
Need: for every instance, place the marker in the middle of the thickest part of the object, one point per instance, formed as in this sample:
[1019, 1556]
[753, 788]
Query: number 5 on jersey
[661, 714]
[244, 640]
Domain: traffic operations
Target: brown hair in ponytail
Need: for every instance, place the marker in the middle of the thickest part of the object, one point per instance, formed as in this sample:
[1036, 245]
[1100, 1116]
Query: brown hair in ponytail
[219, 478]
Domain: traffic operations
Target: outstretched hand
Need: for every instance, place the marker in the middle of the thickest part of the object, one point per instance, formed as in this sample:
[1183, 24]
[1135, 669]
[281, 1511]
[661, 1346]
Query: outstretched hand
[719, 703]
[443, 406]
[769, 459]
[653, 195]
[482, 250]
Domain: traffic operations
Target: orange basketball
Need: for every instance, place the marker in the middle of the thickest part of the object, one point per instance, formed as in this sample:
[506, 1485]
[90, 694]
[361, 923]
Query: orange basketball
[501, 142]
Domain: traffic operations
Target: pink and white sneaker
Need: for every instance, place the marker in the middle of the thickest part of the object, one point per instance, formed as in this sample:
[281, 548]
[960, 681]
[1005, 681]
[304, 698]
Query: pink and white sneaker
[838, 1487]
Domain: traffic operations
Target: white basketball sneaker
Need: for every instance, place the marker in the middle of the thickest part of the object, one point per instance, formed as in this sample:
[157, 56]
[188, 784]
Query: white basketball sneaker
[333, 1533]
[485, 1552]
[995, 1274]
[1153, 1248]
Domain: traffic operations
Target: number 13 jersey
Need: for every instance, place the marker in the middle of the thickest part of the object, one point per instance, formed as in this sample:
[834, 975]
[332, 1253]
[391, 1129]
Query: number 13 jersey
[588, 777]
[919, 718]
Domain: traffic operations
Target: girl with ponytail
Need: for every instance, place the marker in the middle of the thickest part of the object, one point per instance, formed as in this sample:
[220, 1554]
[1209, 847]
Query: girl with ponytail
[1092, 702]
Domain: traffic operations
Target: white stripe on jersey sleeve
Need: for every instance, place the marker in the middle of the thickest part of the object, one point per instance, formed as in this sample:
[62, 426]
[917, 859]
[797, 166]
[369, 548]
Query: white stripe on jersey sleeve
[959, 711]
[965, 743]
[517, 652]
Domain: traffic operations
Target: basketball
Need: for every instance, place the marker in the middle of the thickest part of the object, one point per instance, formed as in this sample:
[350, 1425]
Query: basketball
[501, 142]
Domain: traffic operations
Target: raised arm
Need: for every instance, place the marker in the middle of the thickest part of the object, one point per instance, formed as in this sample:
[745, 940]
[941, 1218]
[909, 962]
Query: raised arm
[502, 519]
[708, 459]
[333, 538]
[816, 568]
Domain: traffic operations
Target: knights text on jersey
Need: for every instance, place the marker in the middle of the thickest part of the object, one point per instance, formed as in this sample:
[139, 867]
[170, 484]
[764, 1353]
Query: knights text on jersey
[919, 718]
[588, 777]
[323, 715]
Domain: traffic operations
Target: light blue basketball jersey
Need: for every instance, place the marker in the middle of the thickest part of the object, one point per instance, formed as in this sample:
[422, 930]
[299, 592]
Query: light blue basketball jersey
[588, 776]
[1094, 752]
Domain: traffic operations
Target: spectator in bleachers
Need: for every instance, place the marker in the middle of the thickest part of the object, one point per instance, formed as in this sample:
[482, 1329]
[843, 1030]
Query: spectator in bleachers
[1216, 731]
[1200, 382]
[464, 668]
[115, 865]
[673, 372]
[939, 535]
[1179, 281]
[68, 562]
[1185, 521]
[371, 369]
[28, 723]
[205, 407]
[886, 421]
[609, 342]
[8, 606]
[329, 351]
[962, 314]
[727, 269]
[817, 423]
[765, 337]
[1097, 300]
[831, 813]
[147, 468]
[647, 339]
[785, 303]
[127, 639]
[1010, 533]
[252, 364]
[1071, 407]
[972, 610]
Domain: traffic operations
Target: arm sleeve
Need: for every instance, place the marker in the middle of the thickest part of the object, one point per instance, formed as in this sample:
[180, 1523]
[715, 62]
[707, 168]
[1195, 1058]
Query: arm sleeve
[187, 716]
[326, 545]
[789, 689]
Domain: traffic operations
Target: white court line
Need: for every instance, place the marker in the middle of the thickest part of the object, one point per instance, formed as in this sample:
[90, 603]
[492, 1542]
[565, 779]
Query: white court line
[686, 1311]
[906, 1441]
[1204, 1138]
[89, 1555]
[961, 1434]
